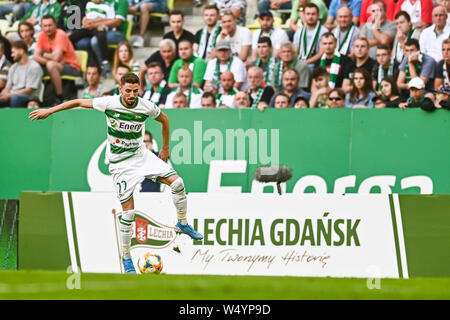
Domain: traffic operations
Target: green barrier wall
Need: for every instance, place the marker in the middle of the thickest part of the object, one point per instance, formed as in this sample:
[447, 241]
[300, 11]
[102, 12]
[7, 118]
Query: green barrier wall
[9, 216]
[53, 154]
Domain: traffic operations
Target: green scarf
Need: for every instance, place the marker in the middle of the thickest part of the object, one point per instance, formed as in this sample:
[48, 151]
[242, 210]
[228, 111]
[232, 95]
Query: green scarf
[216, 77]
[191, 89]
[269, 70]
[259, 94]
[398, 51]
[304, 50]
[418, 68]
[382, 74]
[208, 43]
[279, 73]
[220, 95]
[334, 67]
[155, 96]
[343, 46]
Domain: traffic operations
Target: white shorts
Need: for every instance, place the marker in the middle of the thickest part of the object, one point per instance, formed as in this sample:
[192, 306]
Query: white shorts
[130, 173]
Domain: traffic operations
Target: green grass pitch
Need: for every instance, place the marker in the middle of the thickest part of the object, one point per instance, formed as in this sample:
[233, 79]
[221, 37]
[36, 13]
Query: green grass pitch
[54, 285]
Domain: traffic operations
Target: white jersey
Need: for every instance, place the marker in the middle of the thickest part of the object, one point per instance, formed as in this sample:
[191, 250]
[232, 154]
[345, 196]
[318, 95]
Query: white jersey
[125, 125]
[99, 11]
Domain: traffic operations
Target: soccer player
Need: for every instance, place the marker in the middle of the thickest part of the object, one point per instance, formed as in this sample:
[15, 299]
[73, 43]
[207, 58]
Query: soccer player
[129, 161]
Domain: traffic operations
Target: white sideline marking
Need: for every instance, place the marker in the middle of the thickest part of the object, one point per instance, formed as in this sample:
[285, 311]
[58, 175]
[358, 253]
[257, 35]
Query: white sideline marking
[73, 257]
[401, 240]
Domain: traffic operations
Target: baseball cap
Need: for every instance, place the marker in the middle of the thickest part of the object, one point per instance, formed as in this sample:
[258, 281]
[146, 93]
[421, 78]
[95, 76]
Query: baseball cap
[416, 83]
[265, 13]
[443, 89]
[223, 44]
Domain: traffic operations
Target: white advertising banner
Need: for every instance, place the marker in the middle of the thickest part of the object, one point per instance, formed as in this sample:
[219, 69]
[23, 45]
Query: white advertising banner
[244, 234]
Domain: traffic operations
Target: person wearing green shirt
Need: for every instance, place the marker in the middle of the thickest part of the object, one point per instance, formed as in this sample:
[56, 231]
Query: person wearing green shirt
[196, 65]
[42, 8]
[116, 28]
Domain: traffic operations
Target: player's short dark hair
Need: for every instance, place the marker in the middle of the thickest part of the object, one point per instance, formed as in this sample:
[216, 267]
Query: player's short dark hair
[176, 12]
[49, 16]
[413, 42]
[265, 40]
[129, 77]
[20, 44]
[404, 14]
[319, 72]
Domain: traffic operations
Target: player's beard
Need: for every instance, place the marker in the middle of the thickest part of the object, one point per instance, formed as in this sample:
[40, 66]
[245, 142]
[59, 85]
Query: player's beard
[130, 101]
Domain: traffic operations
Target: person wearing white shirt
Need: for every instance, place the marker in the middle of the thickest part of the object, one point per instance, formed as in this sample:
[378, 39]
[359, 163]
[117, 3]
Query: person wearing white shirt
[419, 10]
[192, 93]
[432, 37]
[227, 92]
[276, 35]
[240, 38]
[225, 62]
[307, 38]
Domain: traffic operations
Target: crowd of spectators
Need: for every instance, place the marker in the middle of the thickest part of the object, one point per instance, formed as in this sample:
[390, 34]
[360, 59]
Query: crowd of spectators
[325, 54]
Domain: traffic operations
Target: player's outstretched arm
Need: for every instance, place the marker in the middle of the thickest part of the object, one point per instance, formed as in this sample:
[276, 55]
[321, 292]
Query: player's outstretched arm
[44, 113]
[164, 153]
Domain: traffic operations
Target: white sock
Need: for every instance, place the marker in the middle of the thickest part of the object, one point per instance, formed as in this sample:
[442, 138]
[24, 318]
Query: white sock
[125, 231]
[179, 199]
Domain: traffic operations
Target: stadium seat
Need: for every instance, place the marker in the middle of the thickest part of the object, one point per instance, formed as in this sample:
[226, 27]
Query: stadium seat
[5, 28]
[169, 5]
[82, 57]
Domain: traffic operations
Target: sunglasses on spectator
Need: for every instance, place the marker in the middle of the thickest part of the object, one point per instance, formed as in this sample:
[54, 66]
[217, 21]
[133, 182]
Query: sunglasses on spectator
[335, 98]
[226, 12]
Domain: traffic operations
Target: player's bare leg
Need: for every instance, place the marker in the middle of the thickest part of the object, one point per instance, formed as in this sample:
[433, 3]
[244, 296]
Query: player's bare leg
[176, 184]
[125, 231]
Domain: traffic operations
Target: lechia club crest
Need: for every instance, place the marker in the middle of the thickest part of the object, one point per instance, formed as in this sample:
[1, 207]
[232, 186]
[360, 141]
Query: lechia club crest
[147, 232]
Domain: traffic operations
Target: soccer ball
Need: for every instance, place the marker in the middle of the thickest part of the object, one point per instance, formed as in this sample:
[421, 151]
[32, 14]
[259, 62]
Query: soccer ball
[150, 263]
